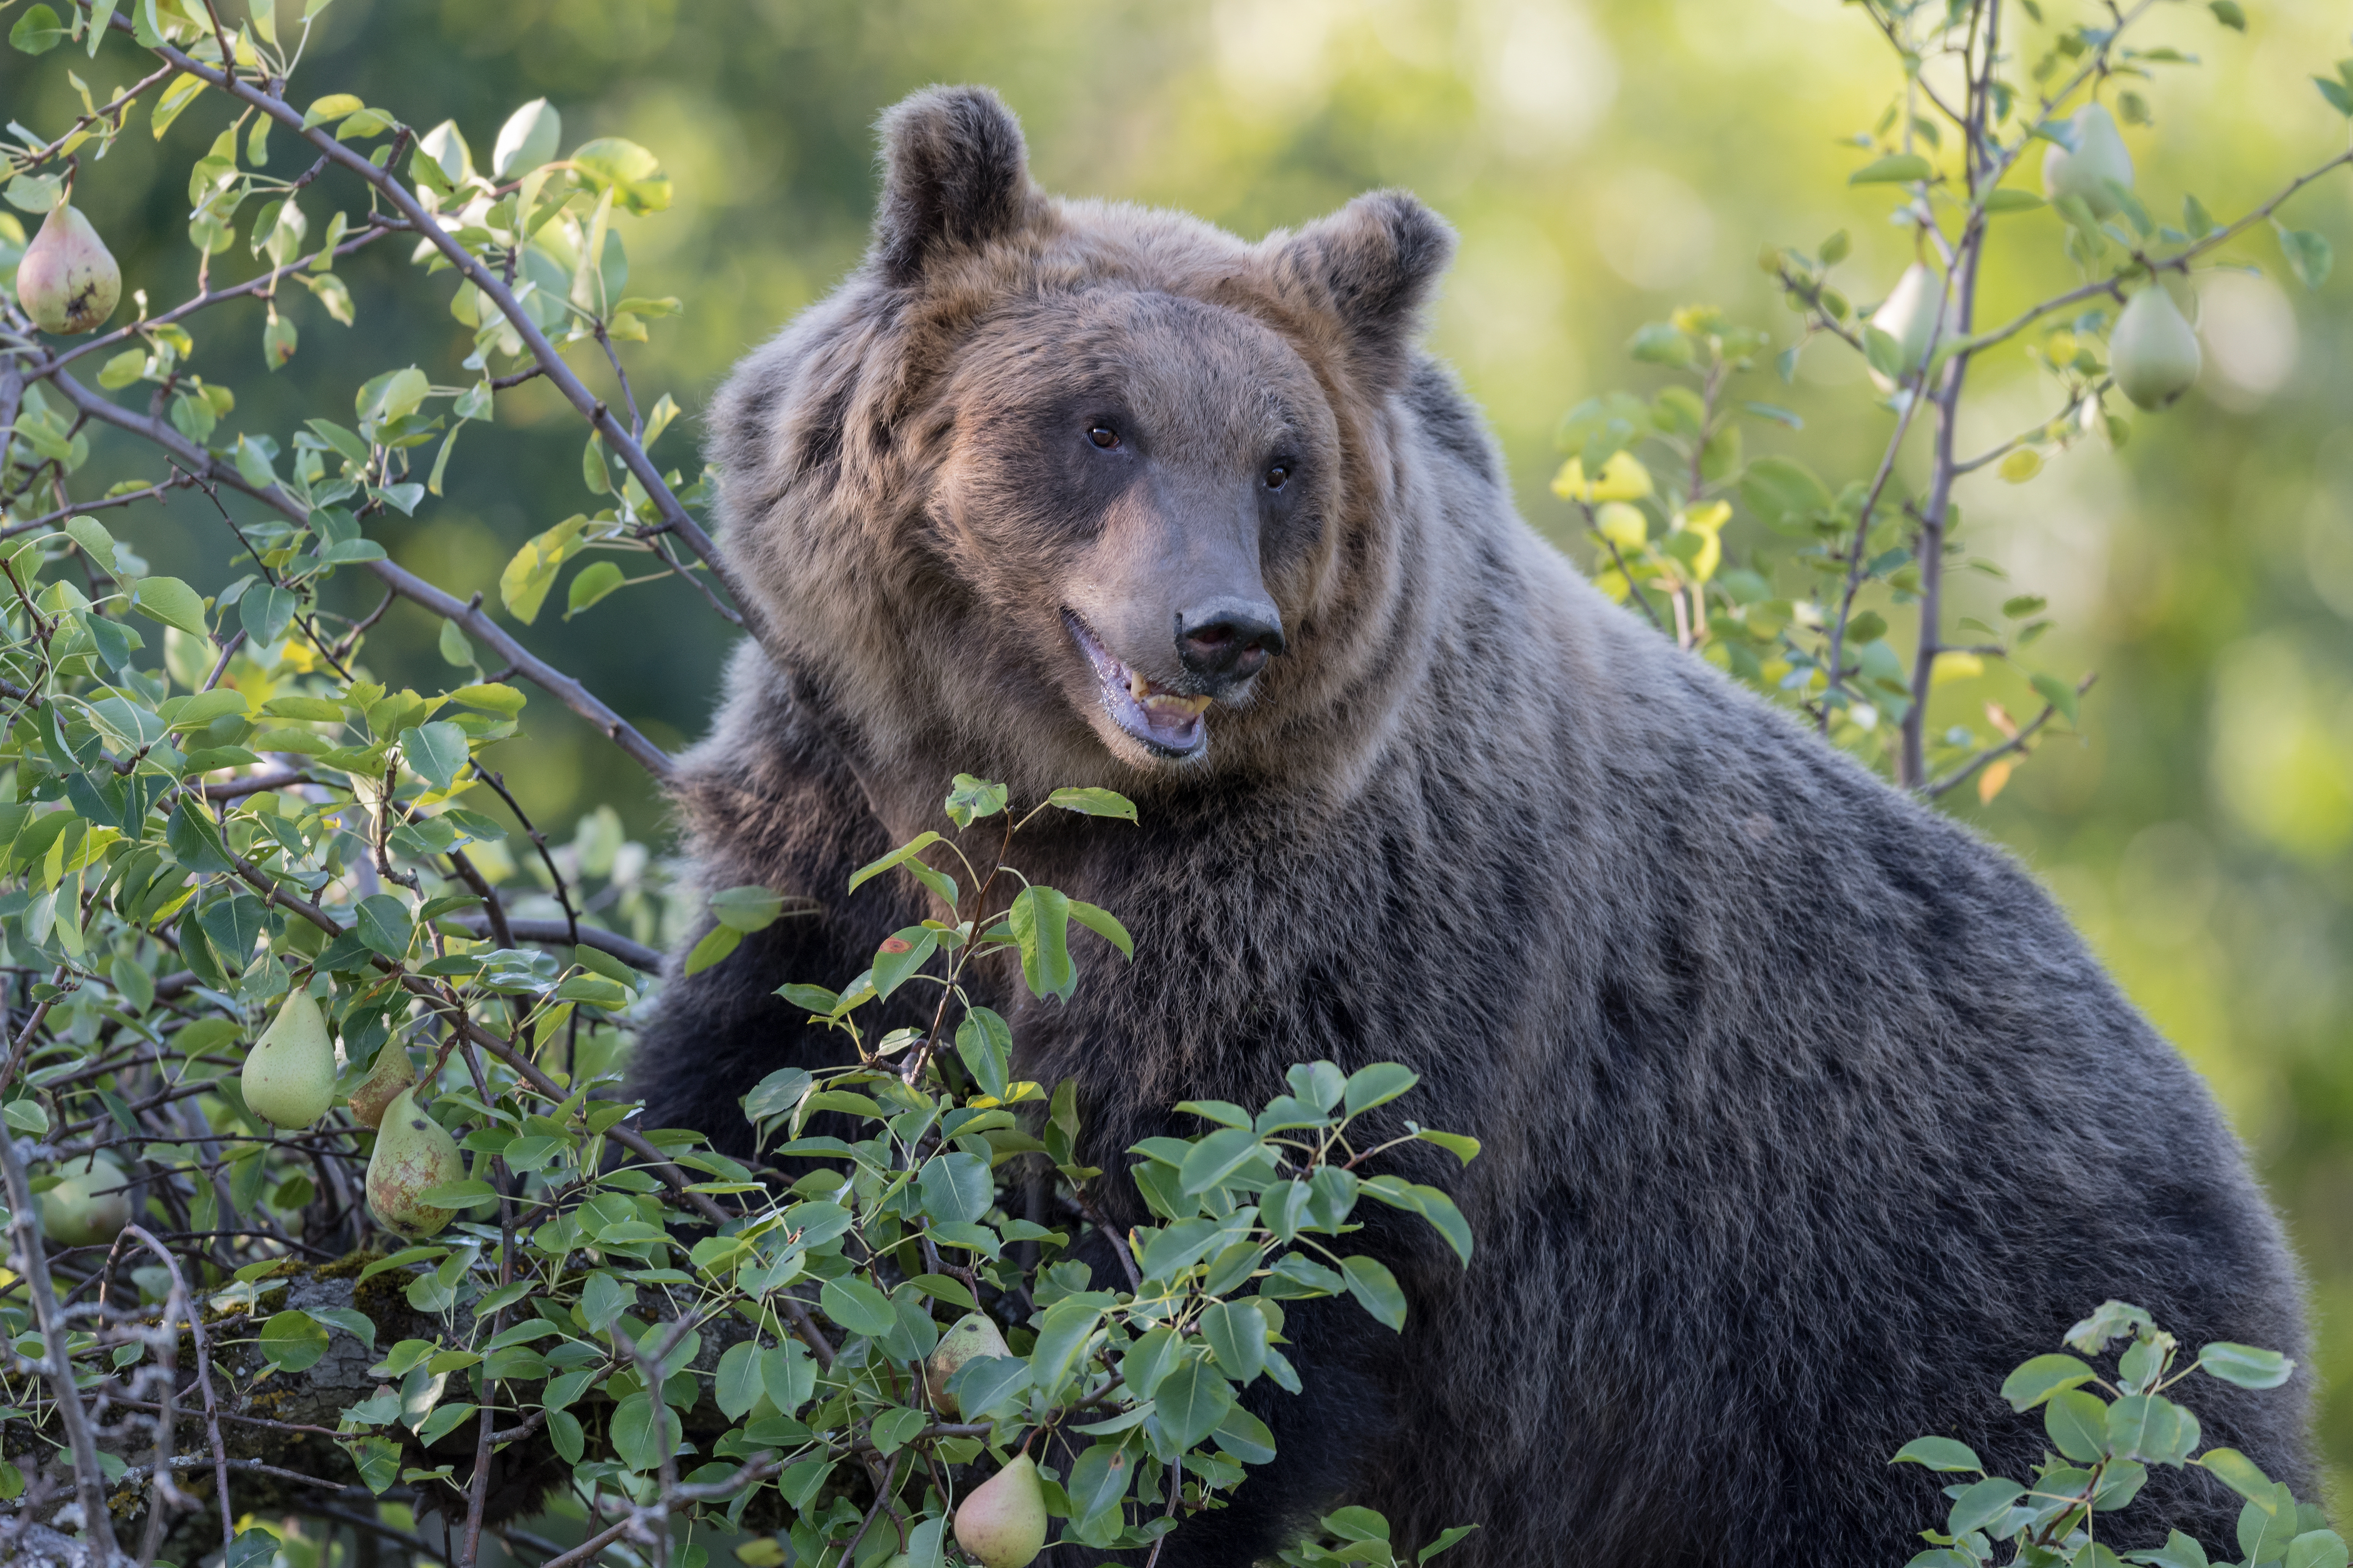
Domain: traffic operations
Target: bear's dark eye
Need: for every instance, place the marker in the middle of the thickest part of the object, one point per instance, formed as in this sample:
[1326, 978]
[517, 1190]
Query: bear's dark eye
[1277, 475]
[1104, 436]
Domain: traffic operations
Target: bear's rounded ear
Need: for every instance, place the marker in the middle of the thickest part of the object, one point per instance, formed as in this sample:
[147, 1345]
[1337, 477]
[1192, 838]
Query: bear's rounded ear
[955, 175]
[1373, 264]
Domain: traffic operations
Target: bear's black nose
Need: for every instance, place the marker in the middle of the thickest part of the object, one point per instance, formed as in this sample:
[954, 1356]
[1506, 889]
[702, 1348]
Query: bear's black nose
[1229, 640]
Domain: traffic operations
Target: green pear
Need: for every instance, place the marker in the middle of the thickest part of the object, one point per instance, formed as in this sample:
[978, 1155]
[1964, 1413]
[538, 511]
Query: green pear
[2098, 158]
[388, 1077]
[87, 1207]
[290, 1074]
[2152, 353]
[1909, 316]
[974, 1334]
[413, 1156]
[1003, 1523]
[68, 280]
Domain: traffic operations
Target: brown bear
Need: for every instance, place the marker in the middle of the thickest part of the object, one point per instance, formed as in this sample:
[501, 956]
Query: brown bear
[1807, 1116]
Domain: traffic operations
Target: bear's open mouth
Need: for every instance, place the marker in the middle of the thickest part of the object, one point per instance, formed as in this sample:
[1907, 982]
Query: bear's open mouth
[1169, 722]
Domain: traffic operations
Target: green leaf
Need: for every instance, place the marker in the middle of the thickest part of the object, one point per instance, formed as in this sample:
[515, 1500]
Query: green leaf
[1455, 1143]
[1446, 1538]
[445, 1420]
[377, 1459]
[1378, 1084]
[970, 798]
[1784, 494]
[2056, 692]
[955, 1188]
[1041, 923]
[1981, 1504]
[590, 584]
[2179, 1551]
[2078, 1424]
[738, 1387]
[1101, 923]
[633, 174]
[524, 581]
[2334, 92]
[1216, 1157]
[1191, 1401]
[436, 751]
[2315, 1549]
[644, 1431]
[292, 1341]
[171, 601]
[902, 953]
[1235, 1332]
[1376, 1289]
[1242, 1436]
[2039, 1379]
[265, 612]
[898, 856]
[716, 945]
[2245, 1364]
[857, 1306]
[2308, 256]
[39, 31]
[1661, 342]
[2010, 199]
[492, 698]
[747, 908]
[385, 924]
[1093, 803]
[1067, 1326]
[1356, 1524]
[986, 1382]
[1099, 1479]
[944, 1287]
[2267, 1524]
[1938, 1453]
[1896, 168]
[2237, 1471]
[2150, 1426]
[2230, 13]
[985, 1045]
[353, 1322]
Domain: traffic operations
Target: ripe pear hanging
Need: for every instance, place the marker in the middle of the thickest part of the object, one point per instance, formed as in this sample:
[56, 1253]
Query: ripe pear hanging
[68, 280]
[1003, 1523]
[972, 1335]
[387, 1077]
[84, 1209]
[2153, 352]
[2099, 157]
[413, 1156]
[290, 1074]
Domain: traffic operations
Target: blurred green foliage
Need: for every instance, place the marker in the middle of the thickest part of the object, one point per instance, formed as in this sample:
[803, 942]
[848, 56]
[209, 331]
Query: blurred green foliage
[1604, 162]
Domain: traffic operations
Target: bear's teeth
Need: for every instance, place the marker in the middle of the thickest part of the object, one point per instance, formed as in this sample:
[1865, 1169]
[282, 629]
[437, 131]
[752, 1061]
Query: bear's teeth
[1189, 706]
[1137, 686]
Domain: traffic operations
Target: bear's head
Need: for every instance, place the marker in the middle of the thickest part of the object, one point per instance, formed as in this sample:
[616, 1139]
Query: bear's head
[1048, 485]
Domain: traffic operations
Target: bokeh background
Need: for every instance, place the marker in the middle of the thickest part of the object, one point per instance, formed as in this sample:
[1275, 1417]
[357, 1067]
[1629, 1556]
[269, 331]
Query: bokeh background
[1604, 162]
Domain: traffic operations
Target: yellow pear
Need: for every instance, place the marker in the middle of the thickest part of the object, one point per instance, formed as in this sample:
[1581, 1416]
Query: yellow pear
[2098, 158]
[1909, 316]
[1003, 1523]
[68, 280]
[87, 1207]
[974, 1334]
[290, 1074]
[413, 1156]
[390, 1074]
[2152, 353]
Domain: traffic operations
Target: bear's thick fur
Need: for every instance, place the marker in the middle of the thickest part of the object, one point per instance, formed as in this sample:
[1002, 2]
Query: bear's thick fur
[1807, 1116]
